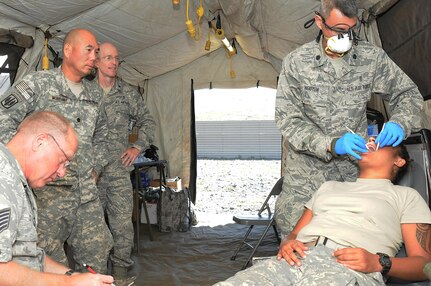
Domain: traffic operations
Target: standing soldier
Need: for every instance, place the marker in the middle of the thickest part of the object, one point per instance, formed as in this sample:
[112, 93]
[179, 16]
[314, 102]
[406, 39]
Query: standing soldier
[69, 209]
[323, 89]
[126, 110]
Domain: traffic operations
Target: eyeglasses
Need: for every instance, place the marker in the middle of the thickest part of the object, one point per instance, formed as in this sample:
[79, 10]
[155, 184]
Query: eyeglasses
[67, 163]
[110, 58]
[352, 30]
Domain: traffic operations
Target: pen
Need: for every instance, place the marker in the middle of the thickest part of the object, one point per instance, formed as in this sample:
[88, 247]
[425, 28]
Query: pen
[378, 143]
[91, 270]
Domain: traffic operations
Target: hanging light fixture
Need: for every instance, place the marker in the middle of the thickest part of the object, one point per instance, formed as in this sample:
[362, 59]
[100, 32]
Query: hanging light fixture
[228, 46]
[219, 32]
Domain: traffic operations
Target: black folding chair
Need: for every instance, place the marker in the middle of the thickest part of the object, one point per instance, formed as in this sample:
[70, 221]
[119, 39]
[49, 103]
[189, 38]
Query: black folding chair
[263, 219]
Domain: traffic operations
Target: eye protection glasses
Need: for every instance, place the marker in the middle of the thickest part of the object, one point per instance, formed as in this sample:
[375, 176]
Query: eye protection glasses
[352, 31]
[67, 162]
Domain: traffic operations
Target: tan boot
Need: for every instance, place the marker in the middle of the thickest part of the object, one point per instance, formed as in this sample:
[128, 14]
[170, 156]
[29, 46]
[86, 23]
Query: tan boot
[121, 278]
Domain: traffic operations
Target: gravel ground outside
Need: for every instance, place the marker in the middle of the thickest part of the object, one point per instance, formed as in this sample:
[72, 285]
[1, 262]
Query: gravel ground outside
[234, 186]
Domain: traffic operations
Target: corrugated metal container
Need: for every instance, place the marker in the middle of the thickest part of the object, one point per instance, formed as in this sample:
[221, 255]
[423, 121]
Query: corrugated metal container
[247, 139]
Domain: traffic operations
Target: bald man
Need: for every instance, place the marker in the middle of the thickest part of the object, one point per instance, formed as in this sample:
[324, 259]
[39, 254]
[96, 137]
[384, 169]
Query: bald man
[69, 208]
[126, 109]
[40, 152]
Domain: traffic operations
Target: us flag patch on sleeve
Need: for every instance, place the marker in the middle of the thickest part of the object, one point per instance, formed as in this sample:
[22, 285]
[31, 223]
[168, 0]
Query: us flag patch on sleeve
[4, 219]
[24, 90]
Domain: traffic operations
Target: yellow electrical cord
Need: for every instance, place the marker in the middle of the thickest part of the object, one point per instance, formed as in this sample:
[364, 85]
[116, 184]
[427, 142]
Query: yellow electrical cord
[200, 12]
[189, 23]
[232, 72]
[45, 59]
[208, 43]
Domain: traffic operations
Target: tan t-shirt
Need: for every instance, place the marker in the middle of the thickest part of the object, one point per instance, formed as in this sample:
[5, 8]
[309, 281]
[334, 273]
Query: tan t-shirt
[75, 87]
[367, 213]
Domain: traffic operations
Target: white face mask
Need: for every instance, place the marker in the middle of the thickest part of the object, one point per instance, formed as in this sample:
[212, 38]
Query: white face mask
[339, 45]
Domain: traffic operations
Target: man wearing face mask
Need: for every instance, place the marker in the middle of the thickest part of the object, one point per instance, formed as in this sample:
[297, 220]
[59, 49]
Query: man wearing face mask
[323, 90]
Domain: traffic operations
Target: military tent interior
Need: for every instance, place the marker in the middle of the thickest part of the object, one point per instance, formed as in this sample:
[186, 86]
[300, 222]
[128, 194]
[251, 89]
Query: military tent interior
[166, 64]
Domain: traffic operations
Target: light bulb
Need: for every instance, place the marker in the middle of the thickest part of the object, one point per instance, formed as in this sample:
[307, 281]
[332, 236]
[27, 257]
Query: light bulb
[228, 45]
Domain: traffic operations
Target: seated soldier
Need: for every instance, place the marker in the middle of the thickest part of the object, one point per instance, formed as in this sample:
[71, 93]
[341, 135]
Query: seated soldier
[39, 153]
[350, 232]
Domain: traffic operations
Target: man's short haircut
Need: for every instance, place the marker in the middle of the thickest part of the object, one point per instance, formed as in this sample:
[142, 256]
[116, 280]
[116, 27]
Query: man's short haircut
[349, 8]
[45, 121]
[73, 35]
[404, 154]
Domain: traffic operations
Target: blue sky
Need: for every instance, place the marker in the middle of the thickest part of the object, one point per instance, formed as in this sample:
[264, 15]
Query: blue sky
[235, 104]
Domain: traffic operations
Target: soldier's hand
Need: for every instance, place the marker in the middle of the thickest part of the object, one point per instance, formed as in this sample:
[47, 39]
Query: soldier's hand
[358, 259]
[129, 156]
[349, 143]
[95, 176]
[391, 134]
[91, 279]
[290, 249]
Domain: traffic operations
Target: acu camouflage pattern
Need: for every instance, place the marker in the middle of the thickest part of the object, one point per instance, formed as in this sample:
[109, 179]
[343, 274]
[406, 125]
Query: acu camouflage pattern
[48, 90]
[116, 195]
[318, 268]
[18, 238]
[82, 225]
[315, 104]
[125, 109]
[175, 210]
[93, 241]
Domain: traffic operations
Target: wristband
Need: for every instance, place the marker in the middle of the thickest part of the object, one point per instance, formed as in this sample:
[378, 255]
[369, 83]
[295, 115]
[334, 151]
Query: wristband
[69, 272]
[386, 263]
[332, 149]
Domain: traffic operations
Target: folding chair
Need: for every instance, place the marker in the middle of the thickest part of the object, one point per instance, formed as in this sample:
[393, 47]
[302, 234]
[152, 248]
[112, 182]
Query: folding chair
[418, 177]
[266, 220]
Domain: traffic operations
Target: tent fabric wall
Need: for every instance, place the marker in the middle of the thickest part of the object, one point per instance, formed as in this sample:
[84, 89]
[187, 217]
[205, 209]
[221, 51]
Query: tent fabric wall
[404, 37]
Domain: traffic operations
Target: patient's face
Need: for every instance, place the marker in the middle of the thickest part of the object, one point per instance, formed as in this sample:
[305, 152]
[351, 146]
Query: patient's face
[377, 157]
[371, 145]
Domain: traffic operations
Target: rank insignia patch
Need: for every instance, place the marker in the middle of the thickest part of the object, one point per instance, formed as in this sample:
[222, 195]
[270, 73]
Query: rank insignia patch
[4, 219]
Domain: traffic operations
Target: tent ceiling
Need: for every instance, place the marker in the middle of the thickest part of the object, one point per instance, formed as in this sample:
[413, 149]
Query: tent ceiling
[152, 36]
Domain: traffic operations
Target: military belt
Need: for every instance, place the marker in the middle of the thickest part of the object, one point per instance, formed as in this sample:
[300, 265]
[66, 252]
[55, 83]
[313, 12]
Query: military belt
[323, 240]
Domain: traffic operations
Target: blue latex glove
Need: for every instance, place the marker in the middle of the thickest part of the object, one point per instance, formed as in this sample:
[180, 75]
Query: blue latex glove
[391, 134]
[349, 143]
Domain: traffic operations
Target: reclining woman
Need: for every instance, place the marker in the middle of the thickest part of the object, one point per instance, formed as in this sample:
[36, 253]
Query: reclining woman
[350, 232]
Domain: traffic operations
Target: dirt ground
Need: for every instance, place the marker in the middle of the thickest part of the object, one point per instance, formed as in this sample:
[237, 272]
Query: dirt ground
[234, 186]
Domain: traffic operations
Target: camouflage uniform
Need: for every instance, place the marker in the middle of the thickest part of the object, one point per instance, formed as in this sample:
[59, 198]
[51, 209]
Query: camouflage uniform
[18, 216]
[315, 103]
[125, 109]
[69, 209]
[318, 268]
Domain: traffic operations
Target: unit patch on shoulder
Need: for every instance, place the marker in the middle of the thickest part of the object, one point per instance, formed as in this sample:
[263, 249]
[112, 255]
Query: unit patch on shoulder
[20, 92]
[4, 219]
[9, 101]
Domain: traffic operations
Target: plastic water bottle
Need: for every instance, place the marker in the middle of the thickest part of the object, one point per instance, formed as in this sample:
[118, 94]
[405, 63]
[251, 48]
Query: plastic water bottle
[373, 129]
[145, 179]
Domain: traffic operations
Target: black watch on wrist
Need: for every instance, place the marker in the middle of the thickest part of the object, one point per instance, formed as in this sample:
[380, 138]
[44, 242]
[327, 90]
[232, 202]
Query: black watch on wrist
[69, 272]
[386, 262]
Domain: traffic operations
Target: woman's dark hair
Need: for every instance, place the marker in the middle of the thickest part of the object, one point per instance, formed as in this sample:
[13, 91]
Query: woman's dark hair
[404, 154]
